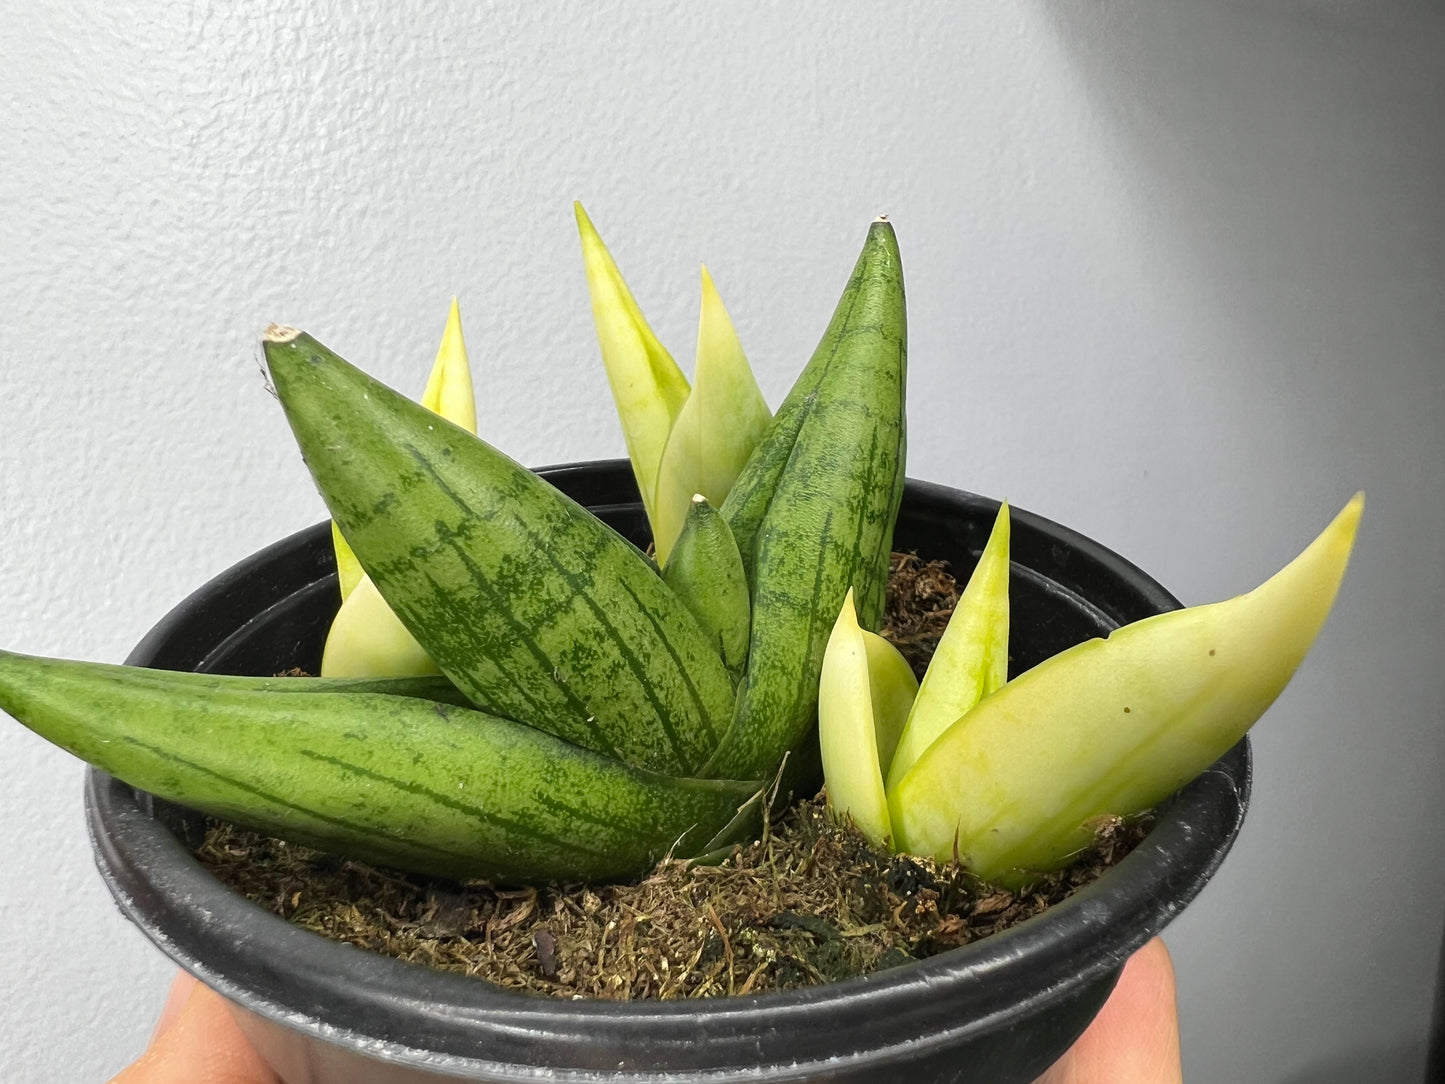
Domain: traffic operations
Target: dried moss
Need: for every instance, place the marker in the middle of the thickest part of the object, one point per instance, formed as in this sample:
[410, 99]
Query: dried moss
[921, 597]
[810, 902]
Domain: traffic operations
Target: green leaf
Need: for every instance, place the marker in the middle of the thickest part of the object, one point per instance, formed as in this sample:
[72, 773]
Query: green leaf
[706, 573]
[535, 608]
[366, 639]
[814, 508]
[395, 779]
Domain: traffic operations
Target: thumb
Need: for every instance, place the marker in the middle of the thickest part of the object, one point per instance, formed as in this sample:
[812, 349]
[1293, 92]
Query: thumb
[195, 1040]
[1135, 1037]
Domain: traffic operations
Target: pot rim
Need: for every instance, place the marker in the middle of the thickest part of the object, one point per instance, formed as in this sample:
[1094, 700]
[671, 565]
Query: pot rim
[410, 1015]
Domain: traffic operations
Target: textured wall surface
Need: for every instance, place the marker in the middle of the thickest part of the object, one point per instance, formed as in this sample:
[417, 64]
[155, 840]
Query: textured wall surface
[1176, 278]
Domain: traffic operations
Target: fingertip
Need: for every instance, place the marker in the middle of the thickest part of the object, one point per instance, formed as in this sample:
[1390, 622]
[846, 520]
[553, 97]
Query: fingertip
[197, 1039]
[1135, 1037]
[181, 988]
[1147, 981]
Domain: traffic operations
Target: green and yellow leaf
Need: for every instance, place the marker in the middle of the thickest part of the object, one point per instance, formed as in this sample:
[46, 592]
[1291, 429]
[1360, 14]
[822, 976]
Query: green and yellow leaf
[449, 389]
[448, 393]
[864, 693]
[534, 607]
[647, 386]
[847, 734]
[366, 639]
[1111, 727]
[971, 660]
[717, 428]
[813, 510]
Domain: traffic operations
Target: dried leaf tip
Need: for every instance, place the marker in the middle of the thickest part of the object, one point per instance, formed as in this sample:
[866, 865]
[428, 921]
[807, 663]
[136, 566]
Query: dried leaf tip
[881, 218]
[280, 333]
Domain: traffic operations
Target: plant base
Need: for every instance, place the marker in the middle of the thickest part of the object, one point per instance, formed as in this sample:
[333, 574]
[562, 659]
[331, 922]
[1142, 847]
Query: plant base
[811, 903]
[998, 1011]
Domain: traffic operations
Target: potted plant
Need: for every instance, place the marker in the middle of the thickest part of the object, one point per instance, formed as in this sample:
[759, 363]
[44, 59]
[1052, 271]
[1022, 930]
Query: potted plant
[652, 720]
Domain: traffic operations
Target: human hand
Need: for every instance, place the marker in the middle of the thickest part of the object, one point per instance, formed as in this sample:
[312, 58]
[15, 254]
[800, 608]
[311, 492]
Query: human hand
[1133, 1040]
[196, 1041]
[1135, 1037]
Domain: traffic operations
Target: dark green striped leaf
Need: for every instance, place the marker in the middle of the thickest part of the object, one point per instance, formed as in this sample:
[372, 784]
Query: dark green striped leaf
[397, 780]
[813, 511]
[529, 603]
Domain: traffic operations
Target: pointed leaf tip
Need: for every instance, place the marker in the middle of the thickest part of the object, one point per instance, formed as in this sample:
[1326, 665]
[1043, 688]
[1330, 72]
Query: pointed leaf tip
[847, 732]
[717, 428]
[971, 660]
[647, 386]
[1113, 726]
[705, 571]
[449, 391]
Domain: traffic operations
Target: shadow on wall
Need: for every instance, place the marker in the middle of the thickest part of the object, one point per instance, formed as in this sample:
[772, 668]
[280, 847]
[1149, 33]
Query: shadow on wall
[1395, 1063]
[1288, 155]
[1268, 131]
[1291, 152]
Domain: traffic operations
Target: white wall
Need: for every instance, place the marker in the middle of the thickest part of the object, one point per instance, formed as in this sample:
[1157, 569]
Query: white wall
[1176, 278]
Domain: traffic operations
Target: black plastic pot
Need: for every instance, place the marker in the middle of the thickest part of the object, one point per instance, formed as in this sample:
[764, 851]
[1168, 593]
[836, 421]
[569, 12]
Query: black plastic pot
[999, 1011]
